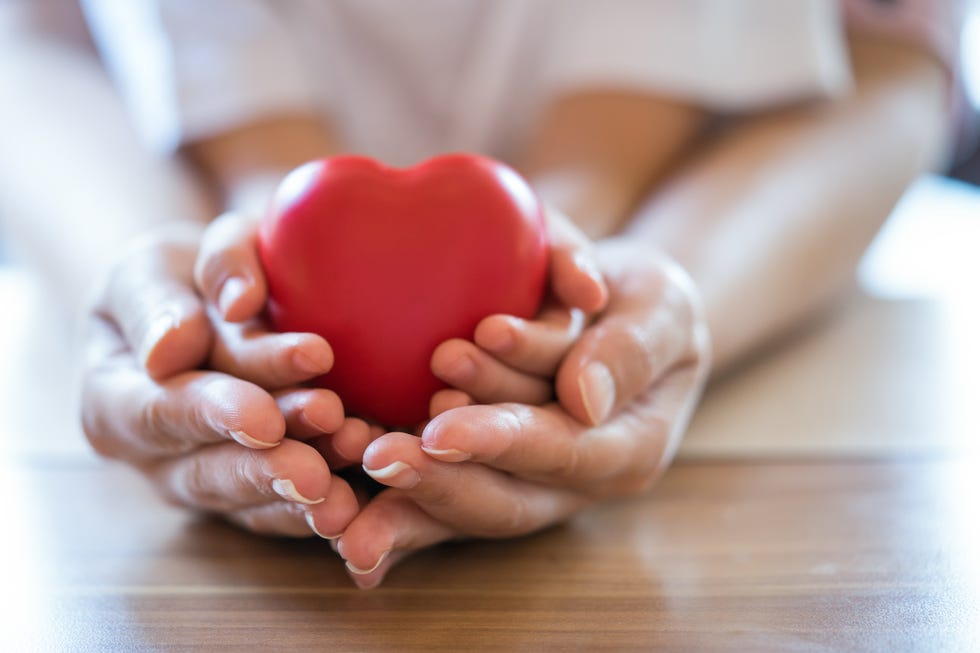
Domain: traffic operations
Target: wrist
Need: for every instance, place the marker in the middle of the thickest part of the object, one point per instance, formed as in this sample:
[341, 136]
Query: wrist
[598, 204]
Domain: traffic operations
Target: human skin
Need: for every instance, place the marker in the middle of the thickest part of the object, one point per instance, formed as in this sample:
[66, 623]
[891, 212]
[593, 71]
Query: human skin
[779, 202]
[791, 208]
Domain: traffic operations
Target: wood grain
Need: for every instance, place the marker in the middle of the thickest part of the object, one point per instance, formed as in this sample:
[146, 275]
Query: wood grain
[767, 556]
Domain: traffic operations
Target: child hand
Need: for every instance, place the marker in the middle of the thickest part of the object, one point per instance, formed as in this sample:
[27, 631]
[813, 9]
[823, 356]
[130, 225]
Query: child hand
[206, 440]
[229, 276]
[513, 359]
[510, 469]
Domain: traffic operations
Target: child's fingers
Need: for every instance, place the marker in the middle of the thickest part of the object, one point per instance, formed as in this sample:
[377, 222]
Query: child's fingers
[575, 277]
[228, 271]
[149, 296]
[468, 368]
[447, 399]
[270, 360]
[345, 446]
[310, 412]
[227, 477]
[531, 346]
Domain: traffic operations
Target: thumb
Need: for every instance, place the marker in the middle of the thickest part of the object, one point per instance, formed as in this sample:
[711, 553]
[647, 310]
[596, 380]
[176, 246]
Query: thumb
[228, 271]
[652, 324]
[149, 296]
[575, 277]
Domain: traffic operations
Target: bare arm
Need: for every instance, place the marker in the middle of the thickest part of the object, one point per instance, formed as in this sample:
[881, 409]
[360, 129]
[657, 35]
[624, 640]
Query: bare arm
[770, 218]
[244, 165]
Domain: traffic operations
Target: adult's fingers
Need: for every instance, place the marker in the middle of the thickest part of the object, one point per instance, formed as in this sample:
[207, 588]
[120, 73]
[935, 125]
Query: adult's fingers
[270, 360]
[546, 445]
[127, 415]
[226, 477]
[653, 322]
[472, 498]
[326, 519]
[277, 518]
[532, 346]
[228, 270]
[431, 501]
[386, 531]
[149, 297]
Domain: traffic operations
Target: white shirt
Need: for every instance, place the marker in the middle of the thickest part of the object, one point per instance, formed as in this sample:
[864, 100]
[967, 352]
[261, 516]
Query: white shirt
[402, 81]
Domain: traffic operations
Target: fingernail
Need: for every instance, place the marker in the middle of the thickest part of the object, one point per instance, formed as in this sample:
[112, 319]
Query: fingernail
[287, 490]
[308, 364]
[364, 572]
[243, 438]
[231, 290]
[447, 455]
[598, 390]
[312, 524]
[160, 326]
[397, 474]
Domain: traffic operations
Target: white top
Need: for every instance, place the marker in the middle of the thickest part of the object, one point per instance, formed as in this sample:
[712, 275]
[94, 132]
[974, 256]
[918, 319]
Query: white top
[405, 80]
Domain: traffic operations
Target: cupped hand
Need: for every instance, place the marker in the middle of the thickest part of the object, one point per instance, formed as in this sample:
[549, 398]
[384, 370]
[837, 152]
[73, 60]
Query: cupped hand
[205, 439]
[626, 391]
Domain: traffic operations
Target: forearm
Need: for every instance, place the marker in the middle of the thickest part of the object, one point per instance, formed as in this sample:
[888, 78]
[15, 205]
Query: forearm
[243, 166]
[772, 219]
[595, 154]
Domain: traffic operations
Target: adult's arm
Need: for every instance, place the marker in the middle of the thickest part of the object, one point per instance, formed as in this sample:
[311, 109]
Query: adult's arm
[771, 216]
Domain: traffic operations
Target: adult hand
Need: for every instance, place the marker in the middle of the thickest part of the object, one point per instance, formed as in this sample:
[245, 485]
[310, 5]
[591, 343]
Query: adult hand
[626, 388]
[205, 439]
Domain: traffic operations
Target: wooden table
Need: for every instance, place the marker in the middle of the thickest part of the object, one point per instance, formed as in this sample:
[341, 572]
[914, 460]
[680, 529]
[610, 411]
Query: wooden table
[803, 556]
[826, 499]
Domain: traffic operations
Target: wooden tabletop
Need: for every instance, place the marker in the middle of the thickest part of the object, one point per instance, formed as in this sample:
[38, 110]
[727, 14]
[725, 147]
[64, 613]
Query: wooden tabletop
[825, 499]
[783, 556]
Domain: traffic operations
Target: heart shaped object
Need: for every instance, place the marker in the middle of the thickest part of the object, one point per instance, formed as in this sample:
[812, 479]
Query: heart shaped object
[387, 263]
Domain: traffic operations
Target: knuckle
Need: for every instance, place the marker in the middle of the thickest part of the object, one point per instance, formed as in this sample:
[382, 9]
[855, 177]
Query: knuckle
[249, 520]
[637, 484]
[97, 436]
[97, 426]
[442, 495]
[155, 432]
[195, 482]
[635, 359]
[569, 466]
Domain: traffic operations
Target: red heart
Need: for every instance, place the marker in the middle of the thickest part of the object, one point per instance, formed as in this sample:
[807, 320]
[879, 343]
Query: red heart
[387, 263]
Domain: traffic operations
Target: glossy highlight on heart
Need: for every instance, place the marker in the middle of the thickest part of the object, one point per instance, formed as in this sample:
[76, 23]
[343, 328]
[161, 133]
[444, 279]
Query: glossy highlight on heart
[387, 263]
